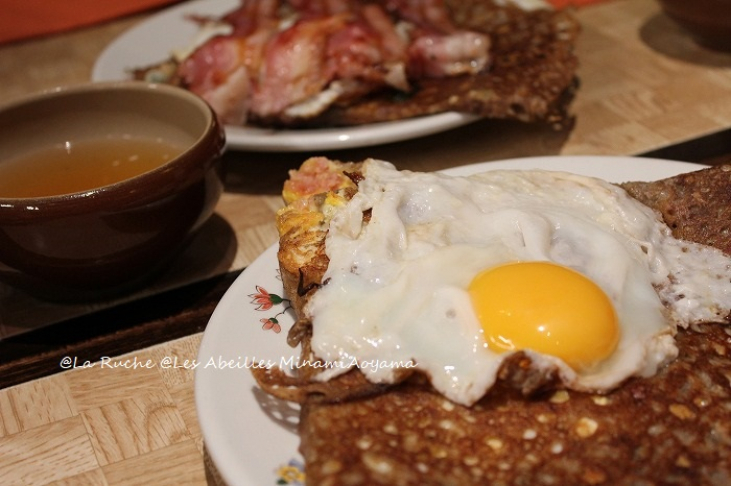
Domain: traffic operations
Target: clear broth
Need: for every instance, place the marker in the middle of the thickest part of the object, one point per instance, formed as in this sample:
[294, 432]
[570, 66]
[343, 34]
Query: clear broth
[81, 166]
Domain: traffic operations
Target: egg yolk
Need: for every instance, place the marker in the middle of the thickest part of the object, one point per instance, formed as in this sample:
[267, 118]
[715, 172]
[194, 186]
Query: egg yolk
[547, 308]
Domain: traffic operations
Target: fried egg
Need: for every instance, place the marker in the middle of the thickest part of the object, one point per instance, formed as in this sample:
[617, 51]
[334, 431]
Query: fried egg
[453, 274]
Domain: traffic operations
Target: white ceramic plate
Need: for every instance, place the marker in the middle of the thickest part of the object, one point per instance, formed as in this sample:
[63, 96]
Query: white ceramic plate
[152, 41]
[250, 436]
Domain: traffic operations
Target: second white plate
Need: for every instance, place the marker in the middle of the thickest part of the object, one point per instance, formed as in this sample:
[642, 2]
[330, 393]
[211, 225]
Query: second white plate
[154, 39]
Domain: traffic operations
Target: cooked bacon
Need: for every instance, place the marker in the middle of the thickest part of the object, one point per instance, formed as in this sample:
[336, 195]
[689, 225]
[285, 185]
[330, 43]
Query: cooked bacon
[425, 14]
[321, 8]
[221, 70]
[318, 175]
[357, 52]
[436, 56]
[437, 47]
[293, 67]
[392, 44]
[230, 100]
[325, 52]
[217, 72]
[252, 15]
[302, 63]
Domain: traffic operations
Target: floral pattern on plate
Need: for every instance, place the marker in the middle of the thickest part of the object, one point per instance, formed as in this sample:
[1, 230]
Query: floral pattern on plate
[293, 473]
[265, 301]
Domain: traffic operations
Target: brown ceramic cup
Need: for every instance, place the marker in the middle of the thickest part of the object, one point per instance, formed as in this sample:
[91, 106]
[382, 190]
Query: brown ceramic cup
[111, 238]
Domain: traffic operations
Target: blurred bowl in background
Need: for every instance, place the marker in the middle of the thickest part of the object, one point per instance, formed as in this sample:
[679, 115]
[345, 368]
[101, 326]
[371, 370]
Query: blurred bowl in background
[707, 21]
[102, 184]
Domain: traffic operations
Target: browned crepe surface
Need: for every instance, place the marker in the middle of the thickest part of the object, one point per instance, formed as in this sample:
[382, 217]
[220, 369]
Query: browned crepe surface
[673, 428]
[697, 205]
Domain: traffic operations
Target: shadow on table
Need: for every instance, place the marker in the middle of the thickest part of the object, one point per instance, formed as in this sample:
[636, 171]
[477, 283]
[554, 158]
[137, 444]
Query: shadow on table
[263, 173]
[666, 37]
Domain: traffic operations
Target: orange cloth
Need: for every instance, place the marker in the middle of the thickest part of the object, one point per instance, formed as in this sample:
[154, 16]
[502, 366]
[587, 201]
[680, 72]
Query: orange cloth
[23, 19]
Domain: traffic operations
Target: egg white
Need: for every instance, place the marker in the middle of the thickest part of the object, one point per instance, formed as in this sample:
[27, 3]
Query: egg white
[397, 285]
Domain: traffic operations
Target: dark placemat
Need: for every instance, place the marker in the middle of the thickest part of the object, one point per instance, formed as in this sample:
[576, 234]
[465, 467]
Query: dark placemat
[711, 149]
[113, 331]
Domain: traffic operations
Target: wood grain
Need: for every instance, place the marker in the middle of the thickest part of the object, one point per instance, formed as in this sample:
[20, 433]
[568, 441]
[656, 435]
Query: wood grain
[116, 423]
[43, 454]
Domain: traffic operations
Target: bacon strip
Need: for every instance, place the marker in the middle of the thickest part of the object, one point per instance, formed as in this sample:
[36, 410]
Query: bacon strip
[297, 58]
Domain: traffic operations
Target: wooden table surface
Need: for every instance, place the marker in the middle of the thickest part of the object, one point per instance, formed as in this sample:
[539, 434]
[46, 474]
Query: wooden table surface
[646, 88]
